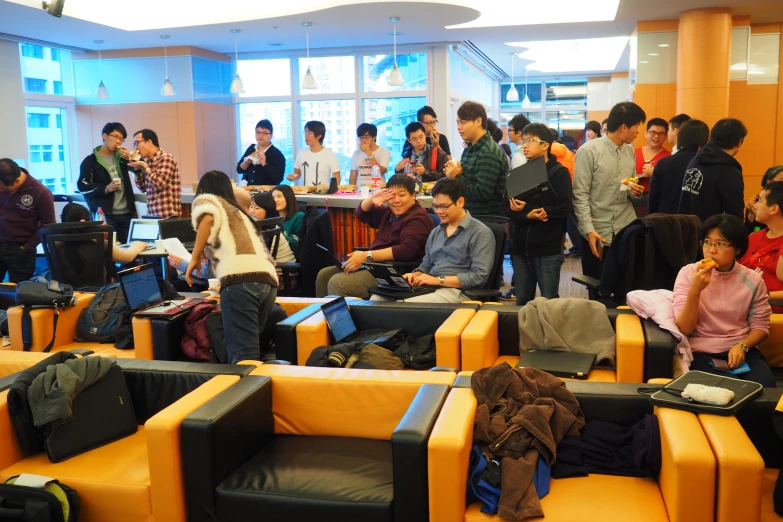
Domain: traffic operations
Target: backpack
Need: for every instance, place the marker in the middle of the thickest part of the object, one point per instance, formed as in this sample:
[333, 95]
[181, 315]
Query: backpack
[33, 498]
[108, 312]
[196, 342]
[416, 353]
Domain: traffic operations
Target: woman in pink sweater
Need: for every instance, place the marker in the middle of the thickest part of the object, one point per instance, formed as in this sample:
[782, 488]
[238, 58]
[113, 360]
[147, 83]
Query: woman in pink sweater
[724, 311]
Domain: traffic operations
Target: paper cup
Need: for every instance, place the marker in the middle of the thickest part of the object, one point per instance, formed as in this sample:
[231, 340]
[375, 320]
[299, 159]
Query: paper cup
[214, 287]
[365, 191]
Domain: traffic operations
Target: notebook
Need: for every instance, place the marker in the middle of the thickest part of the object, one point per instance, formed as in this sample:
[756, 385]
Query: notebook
[142, 293]
[389, 278]
[529, 183]
[179, 228]
[571, 365]
[343, 329]
[144, 230]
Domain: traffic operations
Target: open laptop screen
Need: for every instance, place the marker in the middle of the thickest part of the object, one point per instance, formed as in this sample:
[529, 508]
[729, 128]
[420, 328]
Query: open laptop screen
[146, 230]
[339, 319]
[140, 286]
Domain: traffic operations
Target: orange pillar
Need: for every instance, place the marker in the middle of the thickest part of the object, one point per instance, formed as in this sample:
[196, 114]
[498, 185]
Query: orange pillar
[703, 60]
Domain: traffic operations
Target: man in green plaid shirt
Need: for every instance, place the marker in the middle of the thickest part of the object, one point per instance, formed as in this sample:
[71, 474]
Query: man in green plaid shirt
[484, 165]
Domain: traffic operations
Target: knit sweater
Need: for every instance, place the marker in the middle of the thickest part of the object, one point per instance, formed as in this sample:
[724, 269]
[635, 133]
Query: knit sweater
[237, 252]
[733, 304]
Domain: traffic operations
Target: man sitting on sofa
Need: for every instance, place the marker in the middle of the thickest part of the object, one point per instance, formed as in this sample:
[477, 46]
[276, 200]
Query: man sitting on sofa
[403, 226]
[458, 255]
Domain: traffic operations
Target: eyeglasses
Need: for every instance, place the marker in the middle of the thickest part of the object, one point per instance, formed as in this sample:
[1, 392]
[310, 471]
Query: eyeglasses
[433, 122]
[438, 208]
[136, 142]
[264, 133]
[721, 245]
[118, 139]
[532, 140]
[309, 132]
[656, 134]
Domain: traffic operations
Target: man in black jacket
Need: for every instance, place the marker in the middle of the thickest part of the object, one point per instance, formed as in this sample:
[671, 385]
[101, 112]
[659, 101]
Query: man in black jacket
[713, 181]
[262, 163]
[537, 247]
[666, 181]
[105, 183]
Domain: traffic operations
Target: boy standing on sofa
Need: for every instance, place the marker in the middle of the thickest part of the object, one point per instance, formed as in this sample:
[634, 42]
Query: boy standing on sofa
[537, 251]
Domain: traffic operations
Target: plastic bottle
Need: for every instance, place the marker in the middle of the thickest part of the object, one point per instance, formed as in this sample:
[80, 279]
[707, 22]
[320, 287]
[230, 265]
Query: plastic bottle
[101, 216]
[408, 170]
[376, 177]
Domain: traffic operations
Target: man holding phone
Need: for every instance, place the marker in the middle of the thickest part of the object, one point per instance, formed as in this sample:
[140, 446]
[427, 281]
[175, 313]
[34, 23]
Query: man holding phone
[427, 162]
[429, 120]
[105, 183]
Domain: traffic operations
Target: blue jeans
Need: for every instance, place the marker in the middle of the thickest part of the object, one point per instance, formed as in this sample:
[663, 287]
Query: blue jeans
[245, 308]
[543, 271]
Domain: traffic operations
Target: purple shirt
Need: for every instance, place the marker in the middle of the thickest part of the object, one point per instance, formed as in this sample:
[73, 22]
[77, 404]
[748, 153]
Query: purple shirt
[24, 212]
[406, 234]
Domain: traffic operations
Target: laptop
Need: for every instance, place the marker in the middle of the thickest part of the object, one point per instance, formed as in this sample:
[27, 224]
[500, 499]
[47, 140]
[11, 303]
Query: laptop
[181, 228]
[529, 183]
[336, 262]
[144, 230]
[560, 364]
[389, 278]
[343, 329]
[142, 293]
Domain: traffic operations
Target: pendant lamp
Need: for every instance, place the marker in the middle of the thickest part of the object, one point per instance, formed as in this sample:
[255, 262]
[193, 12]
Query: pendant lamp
[526, 99]
[102, 92]
[512, 95]
[308, 81]
[167, 89]
[395, 76]
[236, 84]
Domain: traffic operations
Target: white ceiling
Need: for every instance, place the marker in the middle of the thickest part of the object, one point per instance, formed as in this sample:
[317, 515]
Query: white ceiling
[363, 24]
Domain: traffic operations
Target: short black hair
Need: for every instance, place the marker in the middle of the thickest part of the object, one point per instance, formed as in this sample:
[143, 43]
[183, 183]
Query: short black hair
[425, 111]
[450, 187]
[265, 124]
[677, 121]
[731, 227]
[658, 122]
[147, 134]
[728, 133]
[114, 126]
[402, 180]
[693, 135]
[593, 126]
[774, 192]
[494, 130]
[9, 171]
[218, 183]
[519, 122]
[769, 175]
[471, 111]
[267, 202]
[291, 206]
[540, 131]
[367, 128]
[318, 128]
[625, 113]
[413, 127]
[74, 212]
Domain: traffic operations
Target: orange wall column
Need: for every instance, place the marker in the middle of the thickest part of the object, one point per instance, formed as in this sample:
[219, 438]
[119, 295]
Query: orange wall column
[703, 60]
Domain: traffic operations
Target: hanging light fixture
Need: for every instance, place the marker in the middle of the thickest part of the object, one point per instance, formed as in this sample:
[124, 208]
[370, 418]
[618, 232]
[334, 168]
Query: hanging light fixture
[236, 84]
[308, 81]
[102, 92]
[167, 89]
[512, 95]
[395, 76]
[526, 99]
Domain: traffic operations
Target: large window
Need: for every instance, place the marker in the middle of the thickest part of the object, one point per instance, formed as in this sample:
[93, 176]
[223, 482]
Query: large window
[391, 115]
[46, 70]
[376, 69]
[32, 51]
[343, 144]
[265, 77]
[279, 114]
[333, 74]
[49, 149]
[35, 85]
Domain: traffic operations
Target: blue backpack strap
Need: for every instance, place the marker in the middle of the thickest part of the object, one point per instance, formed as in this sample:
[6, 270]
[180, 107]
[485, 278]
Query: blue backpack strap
[479, 480]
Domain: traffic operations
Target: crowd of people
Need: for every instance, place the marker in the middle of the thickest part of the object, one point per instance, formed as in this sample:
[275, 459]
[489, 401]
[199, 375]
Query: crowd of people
[452, 249]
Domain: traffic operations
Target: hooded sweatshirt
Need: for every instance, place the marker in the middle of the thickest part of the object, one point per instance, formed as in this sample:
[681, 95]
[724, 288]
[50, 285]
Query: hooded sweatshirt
[93, 179]
[712, 184]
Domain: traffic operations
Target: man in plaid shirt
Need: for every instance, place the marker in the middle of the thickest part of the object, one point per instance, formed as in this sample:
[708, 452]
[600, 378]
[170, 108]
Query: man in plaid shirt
[158, 176]
[484, 165]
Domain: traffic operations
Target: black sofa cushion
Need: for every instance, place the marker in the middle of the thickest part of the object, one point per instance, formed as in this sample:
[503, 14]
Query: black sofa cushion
[413, 318]
[330, 479]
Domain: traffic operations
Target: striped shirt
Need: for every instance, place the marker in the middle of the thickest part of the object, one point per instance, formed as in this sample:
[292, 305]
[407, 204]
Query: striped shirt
[484, 171]
[160, 180]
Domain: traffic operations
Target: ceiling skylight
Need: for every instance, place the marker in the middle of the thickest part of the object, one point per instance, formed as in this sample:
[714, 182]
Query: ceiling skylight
[552, 56]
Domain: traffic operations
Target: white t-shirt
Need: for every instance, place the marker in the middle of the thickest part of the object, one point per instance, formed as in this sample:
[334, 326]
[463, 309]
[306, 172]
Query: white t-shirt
[518, 158]
[362, 165]
[320, 166]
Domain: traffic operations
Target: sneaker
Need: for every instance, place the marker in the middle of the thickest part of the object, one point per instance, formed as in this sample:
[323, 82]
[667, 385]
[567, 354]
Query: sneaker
[509, 296]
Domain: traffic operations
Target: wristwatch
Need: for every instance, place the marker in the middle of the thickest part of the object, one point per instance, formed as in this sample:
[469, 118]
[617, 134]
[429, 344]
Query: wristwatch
[442, 281]
[369, 256]
[744, 347]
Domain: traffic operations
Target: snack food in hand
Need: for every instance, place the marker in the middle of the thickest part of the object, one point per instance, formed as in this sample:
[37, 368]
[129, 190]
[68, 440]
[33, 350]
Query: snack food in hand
[707, 262]
[628, 181]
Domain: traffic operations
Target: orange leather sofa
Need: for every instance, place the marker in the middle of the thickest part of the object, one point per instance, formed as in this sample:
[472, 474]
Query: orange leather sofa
[137, 478]
[445, 321]
[683, 492]
[492, 337]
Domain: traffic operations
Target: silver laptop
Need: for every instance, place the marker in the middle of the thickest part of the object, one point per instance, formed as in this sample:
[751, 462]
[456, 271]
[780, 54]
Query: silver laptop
[144, 230]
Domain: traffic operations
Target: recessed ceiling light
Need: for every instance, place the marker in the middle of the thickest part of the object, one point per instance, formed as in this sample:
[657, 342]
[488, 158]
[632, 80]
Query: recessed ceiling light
[593, 54]
[663, 45]
[652, 54]
[275, 45]
[644, 61]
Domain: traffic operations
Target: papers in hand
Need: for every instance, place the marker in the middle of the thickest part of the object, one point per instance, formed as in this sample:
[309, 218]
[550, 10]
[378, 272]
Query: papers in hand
[175, 247]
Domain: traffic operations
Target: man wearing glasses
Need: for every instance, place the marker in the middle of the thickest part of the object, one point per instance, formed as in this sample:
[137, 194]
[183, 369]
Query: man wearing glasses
[105, 183]
[158, 177]
[647, 157]
[262, 163]
[427, 117]
[368, 155]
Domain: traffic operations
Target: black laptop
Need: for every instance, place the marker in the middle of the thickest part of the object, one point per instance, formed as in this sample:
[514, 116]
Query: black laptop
[390, 279]
[529, 183]
[560, 364]
[142, 293]
[343, 329]
[181, 228]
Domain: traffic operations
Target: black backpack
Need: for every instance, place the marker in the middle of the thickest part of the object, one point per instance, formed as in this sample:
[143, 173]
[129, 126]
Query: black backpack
[108, 312]
[416, 353]
[45, 502]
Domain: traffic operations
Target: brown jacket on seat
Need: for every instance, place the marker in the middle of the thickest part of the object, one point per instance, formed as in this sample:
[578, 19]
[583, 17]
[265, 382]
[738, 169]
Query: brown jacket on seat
[522, 413]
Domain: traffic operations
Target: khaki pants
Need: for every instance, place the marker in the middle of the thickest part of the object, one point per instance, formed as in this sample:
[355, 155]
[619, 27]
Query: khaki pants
[441, 295]
[333, 281]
